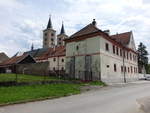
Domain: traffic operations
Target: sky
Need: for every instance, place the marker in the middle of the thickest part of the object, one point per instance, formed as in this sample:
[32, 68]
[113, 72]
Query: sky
[22, 21]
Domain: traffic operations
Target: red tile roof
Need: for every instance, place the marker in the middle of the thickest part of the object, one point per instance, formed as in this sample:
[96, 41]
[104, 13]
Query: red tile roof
[91, 31]
[86, 30]
[52, 52]
[123, 38]
[13, 60]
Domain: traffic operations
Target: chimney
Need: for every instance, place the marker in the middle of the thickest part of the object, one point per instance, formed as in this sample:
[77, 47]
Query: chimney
[107, 31]
[94, 22]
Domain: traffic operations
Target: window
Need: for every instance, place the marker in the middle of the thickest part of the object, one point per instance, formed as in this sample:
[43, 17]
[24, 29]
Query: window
[107, 46]
[136, 70]
[62, 68]
[107, 66]
[124, 54]
[115, 68]
[128, 70]
[52, 39]
[53, 68]
[52, 34]
[125, 69]
[127, 55]
[45, 34]
[59, 38]
[113, 49]
[45, 39]
[62, 60]
[130, 56]
[117, 51]
[131, 70]
[54, 59]
[121, 68]
[59, 43]
[133, 57]
[120, 52]
[77, 47]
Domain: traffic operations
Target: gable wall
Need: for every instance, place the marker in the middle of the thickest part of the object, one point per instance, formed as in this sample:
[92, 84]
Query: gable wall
[132, 43]
[79, 50]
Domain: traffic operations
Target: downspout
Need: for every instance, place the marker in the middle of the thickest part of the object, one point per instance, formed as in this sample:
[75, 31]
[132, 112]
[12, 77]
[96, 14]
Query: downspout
[124, 73]
[58, 67]
[100, 62]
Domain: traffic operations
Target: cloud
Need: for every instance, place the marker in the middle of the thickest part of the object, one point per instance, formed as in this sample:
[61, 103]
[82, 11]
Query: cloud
[22, 21]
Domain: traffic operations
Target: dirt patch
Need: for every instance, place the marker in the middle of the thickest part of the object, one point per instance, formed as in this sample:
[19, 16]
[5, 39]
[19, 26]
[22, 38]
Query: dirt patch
[90, 87]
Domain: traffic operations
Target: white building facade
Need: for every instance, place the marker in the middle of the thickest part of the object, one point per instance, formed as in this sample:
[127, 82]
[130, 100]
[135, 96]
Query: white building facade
[92, 54]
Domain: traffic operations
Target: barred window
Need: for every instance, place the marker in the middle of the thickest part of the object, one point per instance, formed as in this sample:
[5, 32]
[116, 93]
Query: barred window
[115, 68]
[113, 49]
[107, 47]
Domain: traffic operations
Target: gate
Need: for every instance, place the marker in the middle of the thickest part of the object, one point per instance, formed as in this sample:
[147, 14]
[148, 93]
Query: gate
[72, 67]
[88, 68]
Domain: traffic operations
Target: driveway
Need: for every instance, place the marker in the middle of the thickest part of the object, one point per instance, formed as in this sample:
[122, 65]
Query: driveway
[111, 99]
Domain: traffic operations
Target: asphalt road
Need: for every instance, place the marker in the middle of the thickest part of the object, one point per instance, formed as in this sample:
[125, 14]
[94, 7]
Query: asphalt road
[112, 99]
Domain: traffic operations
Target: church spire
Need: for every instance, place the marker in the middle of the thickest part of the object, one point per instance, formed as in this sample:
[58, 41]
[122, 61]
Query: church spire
[32, 47]
[49, 25]
[62, 29]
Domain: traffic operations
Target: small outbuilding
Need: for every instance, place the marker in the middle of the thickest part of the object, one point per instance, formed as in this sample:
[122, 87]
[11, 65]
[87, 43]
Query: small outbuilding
[9, 66]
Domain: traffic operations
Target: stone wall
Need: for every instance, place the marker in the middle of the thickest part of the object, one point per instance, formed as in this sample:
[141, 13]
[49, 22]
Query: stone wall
[40, 68]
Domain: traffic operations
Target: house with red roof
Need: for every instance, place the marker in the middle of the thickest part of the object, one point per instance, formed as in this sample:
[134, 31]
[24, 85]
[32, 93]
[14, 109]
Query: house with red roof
[93, 54]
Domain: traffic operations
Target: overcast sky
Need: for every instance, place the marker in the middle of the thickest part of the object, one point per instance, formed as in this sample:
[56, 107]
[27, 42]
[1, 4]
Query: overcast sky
[22, 21]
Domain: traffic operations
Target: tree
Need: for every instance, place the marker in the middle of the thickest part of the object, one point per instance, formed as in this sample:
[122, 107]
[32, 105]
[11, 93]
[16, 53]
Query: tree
[148, 69]
[142, 57]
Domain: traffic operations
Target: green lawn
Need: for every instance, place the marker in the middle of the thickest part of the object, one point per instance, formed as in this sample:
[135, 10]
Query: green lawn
[24, 78]
[17, 94]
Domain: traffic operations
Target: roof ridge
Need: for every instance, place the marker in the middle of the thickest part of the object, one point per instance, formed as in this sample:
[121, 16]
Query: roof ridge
[121, 33]
[84, 29]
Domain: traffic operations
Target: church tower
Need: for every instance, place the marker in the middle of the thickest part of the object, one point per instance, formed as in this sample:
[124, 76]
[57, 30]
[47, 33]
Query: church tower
[49, 35]
[61, 36]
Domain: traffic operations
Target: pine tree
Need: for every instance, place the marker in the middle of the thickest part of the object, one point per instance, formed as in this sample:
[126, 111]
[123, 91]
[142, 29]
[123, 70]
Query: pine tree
[142, 56]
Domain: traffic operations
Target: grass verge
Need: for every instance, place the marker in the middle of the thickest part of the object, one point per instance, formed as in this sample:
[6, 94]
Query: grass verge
[17, 94]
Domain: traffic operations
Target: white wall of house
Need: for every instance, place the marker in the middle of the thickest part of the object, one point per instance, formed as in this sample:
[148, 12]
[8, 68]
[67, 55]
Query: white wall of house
[102, 62]
[109, 59]
[80, 49]
[56, 63]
